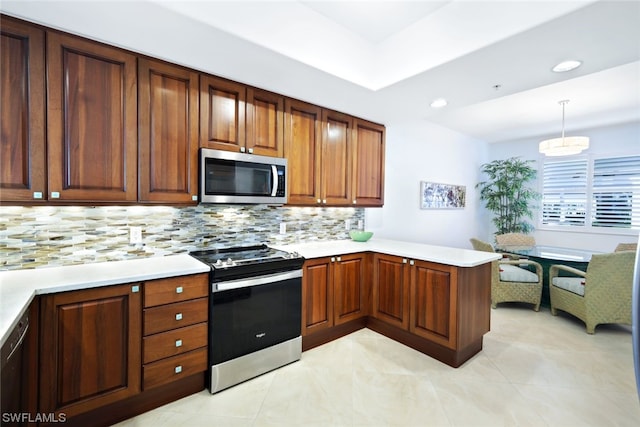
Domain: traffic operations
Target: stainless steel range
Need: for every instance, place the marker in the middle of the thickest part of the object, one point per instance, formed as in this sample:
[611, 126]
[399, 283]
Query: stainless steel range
[255, 312]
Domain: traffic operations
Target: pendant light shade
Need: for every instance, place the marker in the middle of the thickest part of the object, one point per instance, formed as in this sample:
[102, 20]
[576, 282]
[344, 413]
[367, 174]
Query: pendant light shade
[564, 146]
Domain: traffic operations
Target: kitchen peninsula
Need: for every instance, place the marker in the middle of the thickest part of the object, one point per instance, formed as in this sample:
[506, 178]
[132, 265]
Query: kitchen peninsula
[434, 299]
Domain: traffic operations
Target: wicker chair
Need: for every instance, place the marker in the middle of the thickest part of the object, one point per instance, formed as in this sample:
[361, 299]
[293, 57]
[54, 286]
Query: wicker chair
[601, 295]
[626, 247]
[515, 239]
[509, 282]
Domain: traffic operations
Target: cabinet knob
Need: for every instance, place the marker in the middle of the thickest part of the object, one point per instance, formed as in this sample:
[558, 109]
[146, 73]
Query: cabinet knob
[179, 290]
[339, 259]
[250, 150]
[135, 289]
[178, 343]
[194, 197]
[55, 195]
[178, 369]
[324, 201]
[355, 202]
[242, 149]
[333, 259]
[178, 316]
[37, 194]
[412, 262]
[404, 260]
[319, 201]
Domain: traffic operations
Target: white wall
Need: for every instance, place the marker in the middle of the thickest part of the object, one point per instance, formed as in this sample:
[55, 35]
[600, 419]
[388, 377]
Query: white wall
[423, 151]
[621, 139]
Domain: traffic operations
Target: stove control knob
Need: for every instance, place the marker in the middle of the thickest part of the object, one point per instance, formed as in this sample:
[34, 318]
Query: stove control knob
[294, 255]
[230, 261]
[219, 263]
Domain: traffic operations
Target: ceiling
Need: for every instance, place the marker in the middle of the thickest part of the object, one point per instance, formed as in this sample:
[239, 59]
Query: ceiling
[387, 60]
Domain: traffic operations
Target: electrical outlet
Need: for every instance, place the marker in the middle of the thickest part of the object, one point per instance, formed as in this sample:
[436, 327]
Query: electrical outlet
[283, 228]
[135, 235]
[360, 224]
[347, 224]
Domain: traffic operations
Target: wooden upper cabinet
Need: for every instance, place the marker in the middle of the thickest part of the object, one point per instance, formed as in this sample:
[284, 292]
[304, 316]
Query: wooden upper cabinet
[168, 132]
[92, 121]
[265, 123]
[22, 112]
[302, 148]
[337, 158]
[368, 164]
[222, 114]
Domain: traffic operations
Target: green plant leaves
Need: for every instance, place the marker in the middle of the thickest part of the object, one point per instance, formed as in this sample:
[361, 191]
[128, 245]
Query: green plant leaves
[506, 195]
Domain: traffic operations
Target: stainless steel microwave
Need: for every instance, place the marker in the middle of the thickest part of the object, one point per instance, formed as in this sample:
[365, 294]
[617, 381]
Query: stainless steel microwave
[228, 177]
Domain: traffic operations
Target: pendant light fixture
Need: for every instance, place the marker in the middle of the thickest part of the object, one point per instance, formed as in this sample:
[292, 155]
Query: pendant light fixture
[564, 146]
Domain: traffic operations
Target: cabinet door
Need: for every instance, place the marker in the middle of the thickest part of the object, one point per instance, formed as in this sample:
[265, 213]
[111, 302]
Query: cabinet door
[317, 296]
[265, 123]
[168, 133]
[391, 290]
[303, 135]
[90, 348]
[92, 121]
[368, 164]
[337, 159]
[349, 288]
[433, 302]
[222, 114]
[22, 112]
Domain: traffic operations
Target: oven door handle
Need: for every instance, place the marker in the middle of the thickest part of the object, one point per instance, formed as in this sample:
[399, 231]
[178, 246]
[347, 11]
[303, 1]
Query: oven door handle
[255, 281]
[274, 172]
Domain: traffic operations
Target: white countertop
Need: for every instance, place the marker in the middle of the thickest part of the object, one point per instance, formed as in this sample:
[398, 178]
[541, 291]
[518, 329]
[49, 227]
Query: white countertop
[418, 251]
[18, 287]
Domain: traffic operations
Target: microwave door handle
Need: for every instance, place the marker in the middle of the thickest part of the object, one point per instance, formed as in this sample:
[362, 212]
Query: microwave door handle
[274, 171]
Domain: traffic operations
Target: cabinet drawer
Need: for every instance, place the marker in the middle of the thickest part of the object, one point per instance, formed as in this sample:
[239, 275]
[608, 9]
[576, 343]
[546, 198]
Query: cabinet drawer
[178, 315]
[175, 289]
[174, 342]
[174, 368]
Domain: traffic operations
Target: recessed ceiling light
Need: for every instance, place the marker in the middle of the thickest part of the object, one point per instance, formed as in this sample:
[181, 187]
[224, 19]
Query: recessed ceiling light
[439, 103]
[565, 66]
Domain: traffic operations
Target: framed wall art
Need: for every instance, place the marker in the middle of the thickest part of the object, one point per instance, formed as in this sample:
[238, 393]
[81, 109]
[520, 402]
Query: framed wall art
[434, 195]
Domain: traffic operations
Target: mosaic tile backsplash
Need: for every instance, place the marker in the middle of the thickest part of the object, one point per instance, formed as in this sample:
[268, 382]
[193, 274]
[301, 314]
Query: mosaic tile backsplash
[45, 236]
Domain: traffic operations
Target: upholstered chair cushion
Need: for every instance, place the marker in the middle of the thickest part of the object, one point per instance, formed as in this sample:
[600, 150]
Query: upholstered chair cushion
[513, 273]
[571, 284]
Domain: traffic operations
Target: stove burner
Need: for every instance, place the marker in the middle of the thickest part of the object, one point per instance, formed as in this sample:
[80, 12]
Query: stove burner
[247, 260]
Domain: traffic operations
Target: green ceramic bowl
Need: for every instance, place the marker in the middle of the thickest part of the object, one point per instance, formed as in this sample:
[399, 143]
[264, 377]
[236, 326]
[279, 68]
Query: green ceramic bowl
[360, 236]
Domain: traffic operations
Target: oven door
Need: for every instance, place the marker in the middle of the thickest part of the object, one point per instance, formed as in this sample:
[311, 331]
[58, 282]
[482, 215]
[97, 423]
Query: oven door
[252, 314]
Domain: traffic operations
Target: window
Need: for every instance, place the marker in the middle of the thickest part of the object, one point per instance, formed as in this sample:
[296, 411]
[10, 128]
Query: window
[601, 193]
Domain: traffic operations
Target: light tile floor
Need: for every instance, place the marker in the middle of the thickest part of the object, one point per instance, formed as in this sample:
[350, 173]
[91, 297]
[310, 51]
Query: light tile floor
[534, 370]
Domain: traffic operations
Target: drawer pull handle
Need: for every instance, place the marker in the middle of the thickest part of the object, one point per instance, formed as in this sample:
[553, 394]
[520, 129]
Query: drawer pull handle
[178, 369]
[179, 290]
[178, 316]
[178, 343]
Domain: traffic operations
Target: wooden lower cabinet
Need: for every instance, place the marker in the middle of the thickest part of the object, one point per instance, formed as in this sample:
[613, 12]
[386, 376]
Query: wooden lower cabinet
[432, 311]
[440, 310]
[175, 328]
[110, 353]
[335, 297]
[90, 348]
[391, 290]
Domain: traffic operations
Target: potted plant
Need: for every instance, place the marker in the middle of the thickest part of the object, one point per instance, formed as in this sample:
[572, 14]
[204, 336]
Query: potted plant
[507, 195]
